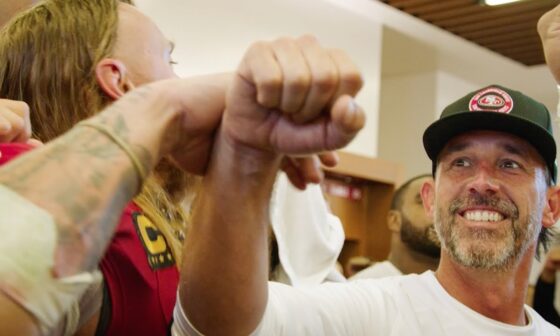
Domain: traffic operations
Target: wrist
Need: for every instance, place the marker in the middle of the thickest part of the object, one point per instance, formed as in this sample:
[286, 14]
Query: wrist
[148, 116]
[249, 168]
[140, 120]
[250, 159]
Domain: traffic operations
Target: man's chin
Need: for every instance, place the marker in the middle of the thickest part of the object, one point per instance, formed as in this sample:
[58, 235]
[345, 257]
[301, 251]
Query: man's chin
[482, 255]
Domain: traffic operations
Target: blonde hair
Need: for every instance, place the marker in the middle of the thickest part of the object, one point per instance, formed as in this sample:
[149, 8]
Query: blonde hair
[49, 54]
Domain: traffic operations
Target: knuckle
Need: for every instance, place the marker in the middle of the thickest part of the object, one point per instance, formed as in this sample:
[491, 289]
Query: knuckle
[308, 38]
[350, 76]
[352, 81]
[23, 108]
[18, 125]
[325, 82]
[258, 47]
[298, 82]
[270, 83]
[283, 40]
[20, 108]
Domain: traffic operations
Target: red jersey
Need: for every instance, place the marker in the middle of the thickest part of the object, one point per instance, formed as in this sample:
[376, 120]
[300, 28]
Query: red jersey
[138, 269]
[141, 276]
[8, 151]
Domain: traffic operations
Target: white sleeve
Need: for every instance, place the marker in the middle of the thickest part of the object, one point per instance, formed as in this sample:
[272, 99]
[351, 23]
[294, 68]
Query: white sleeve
[359, 308]
[309, 236]
[27, 250]
[365, 307]
[82, 310]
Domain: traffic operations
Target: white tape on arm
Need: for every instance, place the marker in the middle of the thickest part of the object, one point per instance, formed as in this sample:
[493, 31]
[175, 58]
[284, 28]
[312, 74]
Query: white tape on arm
[28, 238]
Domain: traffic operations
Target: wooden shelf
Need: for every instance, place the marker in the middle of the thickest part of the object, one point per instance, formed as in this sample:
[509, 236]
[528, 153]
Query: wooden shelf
[371, 169]
[364, 219]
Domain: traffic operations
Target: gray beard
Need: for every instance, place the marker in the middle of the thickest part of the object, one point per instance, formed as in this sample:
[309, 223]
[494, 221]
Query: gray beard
[487, 249]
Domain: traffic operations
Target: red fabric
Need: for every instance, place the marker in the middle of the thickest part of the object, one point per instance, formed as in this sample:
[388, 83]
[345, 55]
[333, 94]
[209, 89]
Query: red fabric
[142, 298]
[9, 151]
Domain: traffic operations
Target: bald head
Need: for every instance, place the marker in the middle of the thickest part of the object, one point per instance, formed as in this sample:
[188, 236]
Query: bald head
[9, 8]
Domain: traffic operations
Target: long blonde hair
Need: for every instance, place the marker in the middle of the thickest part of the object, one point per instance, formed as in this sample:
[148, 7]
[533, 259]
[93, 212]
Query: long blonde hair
[49, 54]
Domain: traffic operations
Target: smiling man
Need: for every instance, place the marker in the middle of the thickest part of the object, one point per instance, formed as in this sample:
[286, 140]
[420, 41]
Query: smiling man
[493, 199]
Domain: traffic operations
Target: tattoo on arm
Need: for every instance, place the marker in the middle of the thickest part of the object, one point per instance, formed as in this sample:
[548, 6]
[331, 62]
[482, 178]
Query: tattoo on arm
[84, 180]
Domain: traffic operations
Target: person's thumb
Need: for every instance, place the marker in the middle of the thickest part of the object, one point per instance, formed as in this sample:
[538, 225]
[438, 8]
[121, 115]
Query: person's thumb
[347, 119]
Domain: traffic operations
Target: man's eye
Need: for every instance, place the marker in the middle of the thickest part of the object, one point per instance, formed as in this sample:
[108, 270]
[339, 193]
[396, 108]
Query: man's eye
[173, 62]
[461, 162]
[509, 164]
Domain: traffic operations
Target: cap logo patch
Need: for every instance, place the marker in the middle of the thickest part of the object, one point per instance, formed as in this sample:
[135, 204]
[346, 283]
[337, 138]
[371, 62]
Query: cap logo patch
[491, 99]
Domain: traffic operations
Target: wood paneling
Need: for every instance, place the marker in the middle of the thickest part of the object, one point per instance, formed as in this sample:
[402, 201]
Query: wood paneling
[509, 30]
[364, 220]
[372, 169]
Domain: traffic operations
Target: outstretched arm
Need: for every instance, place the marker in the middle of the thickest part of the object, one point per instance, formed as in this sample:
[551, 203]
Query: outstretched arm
[288, 97]
[83, 179]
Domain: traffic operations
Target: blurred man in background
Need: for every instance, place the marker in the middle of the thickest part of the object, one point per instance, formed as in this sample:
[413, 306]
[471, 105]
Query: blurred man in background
[415, 247]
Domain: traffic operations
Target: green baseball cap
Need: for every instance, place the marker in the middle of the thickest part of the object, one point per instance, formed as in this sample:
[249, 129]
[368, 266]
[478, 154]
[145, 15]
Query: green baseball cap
[494, 108]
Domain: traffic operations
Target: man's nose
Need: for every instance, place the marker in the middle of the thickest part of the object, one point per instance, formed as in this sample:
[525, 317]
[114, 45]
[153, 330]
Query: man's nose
[483, 181]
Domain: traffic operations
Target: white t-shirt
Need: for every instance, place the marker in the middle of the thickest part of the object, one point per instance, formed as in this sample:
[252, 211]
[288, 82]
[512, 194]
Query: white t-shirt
[380, 269]
[408, 305]
[402, 305]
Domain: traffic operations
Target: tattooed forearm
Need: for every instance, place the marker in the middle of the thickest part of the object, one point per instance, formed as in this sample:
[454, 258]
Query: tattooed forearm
[84, 180]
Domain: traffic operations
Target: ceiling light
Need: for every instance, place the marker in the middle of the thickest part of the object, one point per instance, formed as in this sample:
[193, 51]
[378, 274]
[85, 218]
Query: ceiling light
[498, 2]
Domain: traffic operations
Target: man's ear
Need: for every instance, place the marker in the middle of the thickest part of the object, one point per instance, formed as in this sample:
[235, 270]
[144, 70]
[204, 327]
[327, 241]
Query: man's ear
[394, 220]
[551, 211]
[428, 195]
[112, 78]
